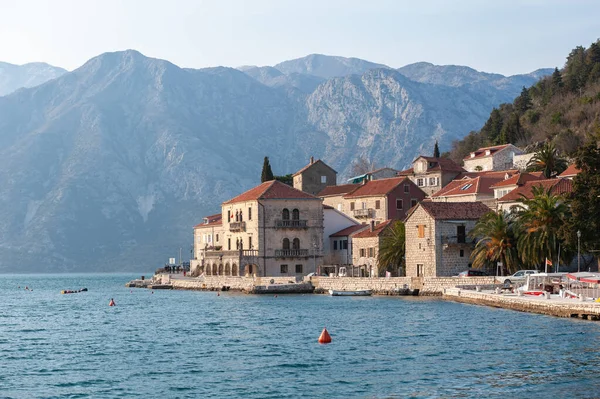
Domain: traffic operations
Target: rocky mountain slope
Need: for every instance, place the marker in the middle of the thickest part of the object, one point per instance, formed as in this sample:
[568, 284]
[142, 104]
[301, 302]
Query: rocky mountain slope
[13, 77]
[108, 167]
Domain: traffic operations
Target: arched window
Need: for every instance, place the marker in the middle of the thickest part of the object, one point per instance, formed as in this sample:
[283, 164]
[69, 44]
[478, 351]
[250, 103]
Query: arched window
[285, 215]
[296, 243]
[286, 243]
[295, 214]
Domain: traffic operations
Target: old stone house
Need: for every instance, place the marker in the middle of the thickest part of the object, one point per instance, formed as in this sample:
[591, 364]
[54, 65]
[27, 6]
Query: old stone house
[207, 235]
[365, 247]
[314, 177]
[499, 157]
[269, 230]
[510, 183]
[432, 174]
[341, 245]
[471, 189]
[333, 222]
[334, 196]
[437, 237]
[381, 200]
[512, 199]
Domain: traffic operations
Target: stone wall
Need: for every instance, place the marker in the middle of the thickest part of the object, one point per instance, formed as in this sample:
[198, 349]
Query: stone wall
[210, 283]
[520, 161]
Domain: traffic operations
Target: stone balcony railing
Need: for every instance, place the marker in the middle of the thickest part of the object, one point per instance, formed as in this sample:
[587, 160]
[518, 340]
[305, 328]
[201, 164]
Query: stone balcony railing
[363, 213]
[237, 226]
[291, 224]
[291, 253]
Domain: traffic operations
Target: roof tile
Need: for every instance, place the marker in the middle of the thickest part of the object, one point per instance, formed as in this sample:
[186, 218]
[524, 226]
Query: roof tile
[367, 233]
[557, 186]
[272, 189]
[376, 187]
[338, 190]
[454, 210]
[349, 230]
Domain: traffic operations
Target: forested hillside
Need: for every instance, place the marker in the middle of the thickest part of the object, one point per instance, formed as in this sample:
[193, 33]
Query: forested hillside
[561, 108]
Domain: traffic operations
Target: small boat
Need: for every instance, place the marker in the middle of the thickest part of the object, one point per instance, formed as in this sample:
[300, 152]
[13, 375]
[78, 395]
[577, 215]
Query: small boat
[73, 292]
[351, 293]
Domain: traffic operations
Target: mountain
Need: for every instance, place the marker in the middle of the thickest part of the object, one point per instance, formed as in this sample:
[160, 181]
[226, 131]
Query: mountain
[325, 66]
[108, 167]
[13, 77]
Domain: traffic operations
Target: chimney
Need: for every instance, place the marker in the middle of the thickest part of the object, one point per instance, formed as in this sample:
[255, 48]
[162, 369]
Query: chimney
[372, 226]
[312, 160]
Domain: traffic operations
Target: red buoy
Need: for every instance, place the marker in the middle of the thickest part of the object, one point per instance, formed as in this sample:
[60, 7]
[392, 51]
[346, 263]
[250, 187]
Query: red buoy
[324, 338]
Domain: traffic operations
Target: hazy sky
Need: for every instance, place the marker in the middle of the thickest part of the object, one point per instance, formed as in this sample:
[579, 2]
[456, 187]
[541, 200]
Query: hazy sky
[503, 36]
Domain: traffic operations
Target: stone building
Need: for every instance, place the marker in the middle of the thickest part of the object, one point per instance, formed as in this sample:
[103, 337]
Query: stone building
[334, 196]
[207, 235]
[556, 186]
[381, 200]
[512, 182]
[365, 247]
[520, 161]
[270, 230]
[314, 177]
[437, 237]
[341, 245]
[499, 157]
[333, 222]
[471, 189]
[432, 174]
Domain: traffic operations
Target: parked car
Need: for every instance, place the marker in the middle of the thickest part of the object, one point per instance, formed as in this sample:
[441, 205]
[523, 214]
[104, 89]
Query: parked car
[472, 273]
[521, 275]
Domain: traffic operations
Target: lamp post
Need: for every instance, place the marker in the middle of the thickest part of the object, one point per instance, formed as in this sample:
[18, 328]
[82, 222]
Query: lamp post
[315, 257]
[578, 250]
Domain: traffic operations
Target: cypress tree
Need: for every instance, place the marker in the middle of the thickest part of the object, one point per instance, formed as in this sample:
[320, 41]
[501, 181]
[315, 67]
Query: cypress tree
[436, 150]
[267, 173]
[523, 102]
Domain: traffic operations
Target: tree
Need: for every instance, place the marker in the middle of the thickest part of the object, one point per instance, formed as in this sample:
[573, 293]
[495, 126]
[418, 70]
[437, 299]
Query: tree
[436, 150]
[523, 102]
[362, 165]
[267, 173]
[548, 161]
[539, 221]
[287, 179]
[391, 251]
[496, 241]
[557, 82]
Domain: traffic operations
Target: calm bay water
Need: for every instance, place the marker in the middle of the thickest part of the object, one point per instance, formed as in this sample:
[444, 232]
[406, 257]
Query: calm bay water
[176, 344]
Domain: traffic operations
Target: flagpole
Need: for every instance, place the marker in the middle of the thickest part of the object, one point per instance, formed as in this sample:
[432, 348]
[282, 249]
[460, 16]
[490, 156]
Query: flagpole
[546, 266]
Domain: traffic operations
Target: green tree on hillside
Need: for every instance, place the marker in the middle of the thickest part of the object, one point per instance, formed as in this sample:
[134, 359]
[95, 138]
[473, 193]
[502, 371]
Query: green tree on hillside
[267, 173]
[523, 102]
[539, 221]
[436, 150]
[391, 252]
[496, 241]
[548, 161]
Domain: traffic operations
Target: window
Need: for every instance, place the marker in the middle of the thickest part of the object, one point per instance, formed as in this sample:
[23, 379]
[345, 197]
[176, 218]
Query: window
[462, 253]
[283, 269]
[362, 252]
[432, 181]
[335, 245]
[413, 202]
[285, 214]
[364, 205]
[419, 270]
[406, 188]
[339, 207]
[437, 181]
[466, 186]
[228, 216]
[250, 242]
[352, 206]
[323, 179]
[296, 243]
[371, 252]
[249, 213]
[298, 269]
[344, 244]
[229, 244]
[295, 214]
[420, 182]
[461, 235]
[286, 243]
[217, 239]
[421, 232]
[399, 204]
[378, 204]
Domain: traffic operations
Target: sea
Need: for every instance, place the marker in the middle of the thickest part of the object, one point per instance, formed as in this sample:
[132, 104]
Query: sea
[188, 344]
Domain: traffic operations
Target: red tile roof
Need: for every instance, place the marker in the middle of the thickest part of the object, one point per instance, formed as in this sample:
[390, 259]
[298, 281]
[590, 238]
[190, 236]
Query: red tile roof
[477, 185]
[490, 173]
[272, 189]
[454, 210]
[519, 179]
[349, 230]
[213, 220]
[480, 153]
[571, 171]
[310, 165]
[367, 233]
[406, 172]
[557, 186]
[378, 187]
[443, 164]
[337, 190]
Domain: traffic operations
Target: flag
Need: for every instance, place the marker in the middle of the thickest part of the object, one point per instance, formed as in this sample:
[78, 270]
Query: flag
[548, 262]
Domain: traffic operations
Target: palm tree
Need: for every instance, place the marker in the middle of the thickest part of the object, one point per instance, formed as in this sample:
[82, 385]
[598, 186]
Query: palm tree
[496, 241]
[539, 221]
[391, 250]
[548, 161]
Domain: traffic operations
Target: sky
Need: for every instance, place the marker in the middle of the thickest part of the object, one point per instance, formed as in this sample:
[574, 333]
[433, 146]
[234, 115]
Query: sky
[507, 37]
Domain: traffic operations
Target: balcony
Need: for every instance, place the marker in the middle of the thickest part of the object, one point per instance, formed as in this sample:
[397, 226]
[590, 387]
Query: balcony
[291, 253]
[237, 226]
[458, 241]
[363, 213]
[291, 224]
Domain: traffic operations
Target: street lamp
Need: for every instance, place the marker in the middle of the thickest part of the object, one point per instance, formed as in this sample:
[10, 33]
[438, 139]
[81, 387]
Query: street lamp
[315, 257]
[578, 250]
